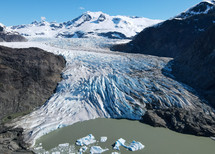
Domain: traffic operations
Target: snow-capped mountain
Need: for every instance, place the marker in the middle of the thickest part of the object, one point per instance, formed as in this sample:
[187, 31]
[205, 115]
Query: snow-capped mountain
[9, 36]
[89, 24]
[203, 7]
[174, 36]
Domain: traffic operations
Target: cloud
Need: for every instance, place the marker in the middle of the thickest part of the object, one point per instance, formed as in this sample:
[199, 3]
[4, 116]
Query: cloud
[43, 18]
[81, 8]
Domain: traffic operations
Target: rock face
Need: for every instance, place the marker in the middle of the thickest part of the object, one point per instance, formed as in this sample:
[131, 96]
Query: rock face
[196, 66]
[11, 141]
[10, 36]
[174, 36]
[28, 78]
[181, 120]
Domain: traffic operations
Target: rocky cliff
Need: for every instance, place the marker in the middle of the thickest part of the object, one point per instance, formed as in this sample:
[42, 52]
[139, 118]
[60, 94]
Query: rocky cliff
[28, 78]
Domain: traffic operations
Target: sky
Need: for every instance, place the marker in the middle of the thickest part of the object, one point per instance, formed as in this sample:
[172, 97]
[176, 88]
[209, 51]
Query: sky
[16, 12]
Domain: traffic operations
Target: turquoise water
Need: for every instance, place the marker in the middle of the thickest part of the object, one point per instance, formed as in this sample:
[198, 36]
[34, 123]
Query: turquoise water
[156, 140]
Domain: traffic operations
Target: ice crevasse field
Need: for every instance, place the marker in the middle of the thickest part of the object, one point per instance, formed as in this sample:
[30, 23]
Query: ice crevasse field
[99, 83]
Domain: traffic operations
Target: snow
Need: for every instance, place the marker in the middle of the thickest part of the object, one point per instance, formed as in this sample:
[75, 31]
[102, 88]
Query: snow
[193, 11]
[118, 143]
[98, 83]
[90, 23]
[103, 139]
[89, 139]
[2, 25]
[97, 150]
[209, 1]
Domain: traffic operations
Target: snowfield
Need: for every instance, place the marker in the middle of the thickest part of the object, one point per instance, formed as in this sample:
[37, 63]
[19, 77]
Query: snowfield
[89, 24]
[100, 83]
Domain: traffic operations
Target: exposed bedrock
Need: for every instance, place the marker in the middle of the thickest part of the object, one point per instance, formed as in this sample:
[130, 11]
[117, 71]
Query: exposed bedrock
[28, 77]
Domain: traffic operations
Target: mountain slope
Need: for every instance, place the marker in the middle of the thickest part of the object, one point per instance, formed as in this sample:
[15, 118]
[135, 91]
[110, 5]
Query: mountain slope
[28, 78]
[174, 36]
[196, 66]
[89, 24]
[6, 36]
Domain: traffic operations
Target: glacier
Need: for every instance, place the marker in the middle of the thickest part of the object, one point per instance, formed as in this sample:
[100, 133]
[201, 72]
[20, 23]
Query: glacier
[98, 83]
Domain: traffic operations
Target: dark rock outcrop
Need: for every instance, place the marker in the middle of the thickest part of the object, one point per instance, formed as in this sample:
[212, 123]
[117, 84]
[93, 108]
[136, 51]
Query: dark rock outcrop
[11, 141]
[10, 37]
[193, 122]
[174, 36]
[28, 77]
[196, 66]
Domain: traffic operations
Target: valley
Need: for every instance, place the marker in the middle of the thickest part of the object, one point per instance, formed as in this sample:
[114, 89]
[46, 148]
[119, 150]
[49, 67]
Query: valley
[105, 75]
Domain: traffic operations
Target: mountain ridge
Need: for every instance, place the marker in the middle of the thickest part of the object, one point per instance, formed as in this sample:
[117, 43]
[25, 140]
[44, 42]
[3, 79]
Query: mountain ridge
[173, 36]
[89, 24]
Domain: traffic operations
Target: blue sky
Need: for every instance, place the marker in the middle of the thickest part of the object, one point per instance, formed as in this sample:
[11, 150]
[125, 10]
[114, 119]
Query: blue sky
[15, 12]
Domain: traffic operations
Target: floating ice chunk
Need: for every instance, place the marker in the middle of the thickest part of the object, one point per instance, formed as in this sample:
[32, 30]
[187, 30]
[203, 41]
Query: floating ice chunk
[56, 152]
[135, 146]
[38, 148]
[103, 139]
[64, 145]
[115, 153]
[83, 149]
[89, 139]
[97, 149]
[213, 138]
[118, 143]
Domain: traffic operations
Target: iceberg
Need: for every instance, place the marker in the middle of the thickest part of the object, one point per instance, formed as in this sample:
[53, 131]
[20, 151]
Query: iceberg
[64, 145]
[213, 138]
[97, 149]
[57, 152]
[115, 153]
[135, 146]
[103, 139]
[82, 149]
[89, 139]
[118, 143]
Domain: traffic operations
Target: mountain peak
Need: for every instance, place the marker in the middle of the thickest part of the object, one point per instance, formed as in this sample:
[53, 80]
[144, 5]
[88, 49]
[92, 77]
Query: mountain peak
[203, 7]
[210, 1]
[89, 24]
[2, 27]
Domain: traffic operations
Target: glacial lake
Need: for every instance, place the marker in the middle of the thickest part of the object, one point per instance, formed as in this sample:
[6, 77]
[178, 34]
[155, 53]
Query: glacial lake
[156, 140]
